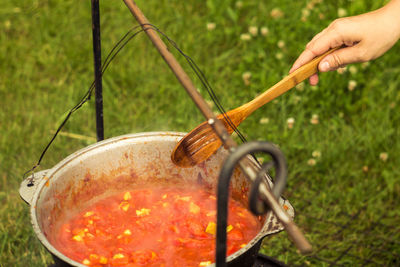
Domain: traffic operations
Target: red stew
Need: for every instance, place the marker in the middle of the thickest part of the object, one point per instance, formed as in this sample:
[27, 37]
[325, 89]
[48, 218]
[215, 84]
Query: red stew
[154, 227]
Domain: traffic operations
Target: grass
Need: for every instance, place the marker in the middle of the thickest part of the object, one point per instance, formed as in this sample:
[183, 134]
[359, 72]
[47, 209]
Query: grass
[347, 203]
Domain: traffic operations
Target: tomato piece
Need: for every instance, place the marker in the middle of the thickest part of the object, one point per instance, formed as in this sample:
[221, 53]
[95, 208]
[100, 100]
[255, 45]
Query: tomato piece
[196, 229]
[235, 234]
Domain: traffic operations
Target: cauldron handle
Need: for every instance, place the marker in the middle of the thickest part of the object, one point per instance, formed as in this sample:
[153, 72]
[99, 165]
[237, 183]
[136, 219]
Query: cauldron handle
[28, 186]
[223, 186]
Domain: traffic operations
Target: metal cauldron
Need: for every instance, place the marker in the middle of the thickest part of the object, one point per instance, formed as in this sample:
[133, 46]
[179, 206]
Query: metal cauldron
[114, 165]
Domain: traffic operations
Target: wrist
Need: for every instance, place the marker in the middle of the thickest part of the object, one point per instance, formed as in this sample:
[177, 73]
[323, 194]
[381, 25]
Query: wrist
[391, 13]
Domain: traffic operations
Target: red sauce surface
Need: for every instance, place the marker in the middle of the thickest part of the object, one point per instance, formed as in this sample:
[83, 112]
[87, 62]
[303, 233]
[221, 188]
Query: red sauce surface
[162, 226]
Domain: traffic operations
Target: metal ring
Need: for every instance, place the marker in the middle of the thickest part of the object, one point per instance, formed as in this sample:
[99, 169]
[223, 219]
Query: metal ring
[224, 180]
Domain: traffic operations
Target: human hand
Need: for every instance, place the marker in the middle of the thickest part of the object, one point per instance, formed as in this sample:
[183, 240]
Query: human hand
[364, 37]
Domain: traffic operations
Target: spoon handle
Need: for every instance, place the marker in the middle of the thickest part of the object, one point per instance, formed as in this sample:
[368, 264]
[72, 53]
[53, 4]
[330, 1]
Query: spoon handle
[285, 84]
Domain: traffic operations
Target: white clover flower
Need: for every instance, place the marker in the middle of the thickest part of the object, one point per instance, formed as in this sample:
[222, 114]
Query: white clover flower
[210, 103]
[281, 44]
[365, 169]
[365, 64]
[353, 69]
[245, 37]
[305, 12]
[211, 26]
[246, 77]
[352, 85]
[342, 70]
[276, 13]
[290, 123]
[264, 31]
[264, 120]
[7, 24]
[383, 156]
[279, 55]
[239, 4]
[316, 154]
[297, 99]
[314, 119]
[253, 30]
[311, 162]
[342, 12]
[300, 86]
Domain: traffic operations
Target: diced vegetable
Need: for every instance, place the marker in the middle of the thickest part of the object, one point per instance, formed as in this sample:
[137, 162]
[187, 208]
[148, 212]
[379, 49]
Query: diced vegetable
[77, 238]
[193, 208]
[124, 206]
[127, 196]
[89, 213]
[143, 212]
[211, 228]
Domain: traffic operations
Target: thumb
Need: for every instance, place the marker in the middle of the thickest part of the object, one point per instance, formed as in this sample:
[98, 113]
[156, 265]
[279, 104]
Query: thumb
[339, 58]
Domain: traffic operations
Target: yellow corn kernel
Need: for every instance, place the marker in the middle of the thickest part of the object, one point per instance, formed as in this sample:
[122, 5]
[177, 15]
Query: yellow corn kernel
[211, 213]
[229, 228]
[86, 262]
[93, 257]
[103, 260]
[127, 196]
[204, 263]
[193, 208]
[90, 235]
[142, 212]
[89, 213]
[127, 232]
[211, 228]
[118, 256]
[187, 198]
[77, 238]
[124, 206]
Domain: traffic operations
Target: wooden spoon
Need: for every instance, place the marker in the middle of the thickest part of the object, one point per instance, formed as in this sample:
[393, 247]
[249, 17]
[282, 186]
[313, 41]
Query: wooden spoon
[202, 142]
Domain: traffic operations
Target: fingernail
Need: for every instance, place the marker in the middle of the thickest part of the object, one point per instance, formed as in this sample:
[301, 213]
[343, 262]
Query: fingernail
[324, 66]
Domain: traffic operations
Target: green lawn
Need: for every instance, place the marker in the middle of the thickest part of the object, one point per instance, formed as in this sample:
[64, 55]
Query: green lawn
[343, 168]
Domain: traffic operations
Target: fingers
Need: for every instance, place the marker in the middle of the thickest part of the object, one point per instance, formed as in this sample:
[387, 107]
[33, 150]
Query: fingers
[340, 58]
[313, 79]
[304, 57]
[339, 32]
